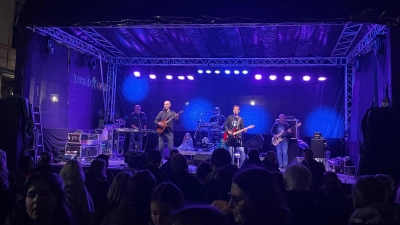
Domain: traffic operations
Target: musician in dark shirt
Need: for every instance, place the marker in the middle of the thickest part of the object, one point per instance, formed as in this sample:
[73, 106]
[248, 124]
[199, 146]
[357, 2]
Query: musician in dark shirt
[218, 118]
[234, 123]
[163, 116]
[138, 121]
[281, 149]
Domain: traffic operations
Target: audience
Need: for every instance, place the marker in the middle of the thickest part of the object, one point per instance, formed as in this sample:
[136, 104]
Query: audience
[153, 165]
[187, 183]
[255, 199]
[317, 169]
[253, 160]
[298, 198]
[202, 171]
[96, 182]
[42, 202]
[166, 167]
[78, 198]
[370, 201]
[220, 157]
[135, 208]
[25, 166]
[6, 197]
[165, 200]
[270, 162]
[110, 176]
[389, 185]
[45, 163]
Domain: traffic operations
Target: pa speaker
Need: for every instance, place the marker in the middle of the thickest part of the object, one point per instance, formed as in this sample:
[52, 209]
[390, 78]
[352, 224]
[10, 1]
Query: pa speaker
[318, 147]
[136, 159]
[255, 142]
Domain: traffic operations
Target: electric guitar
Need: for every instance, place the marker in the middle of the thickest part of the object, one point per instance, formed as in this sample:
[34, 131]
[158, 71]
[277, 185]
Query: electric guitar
[276, 140]
[161, 128]
[235, 132]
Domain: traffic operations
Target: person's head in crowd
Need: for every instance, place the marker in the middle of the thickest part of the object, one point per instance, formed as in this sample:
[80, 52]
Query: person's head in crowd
[220, 158]
[42, 201]
[368, 190]
[97, 169]
[331, 181]
[308, 154]
[389, 184]
[223, 181]
[3, 170]
[25, 164]
[105, 158]
[172, 153]
[154, 158]
[165, 200]
[255, 198]
[271, 156]
[203, 170]
[254, 155]
[179, 163]
[140, 187]
[72, 171]
[278, 176]
[45, 159]
[119, 188]
[297, 178]
[200, 215]
[397, 200]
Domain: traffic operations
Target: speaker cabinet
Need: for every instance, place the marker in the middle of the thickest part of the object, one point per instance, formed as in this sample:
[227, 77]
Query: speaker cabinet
[318, 147]
[255, 142]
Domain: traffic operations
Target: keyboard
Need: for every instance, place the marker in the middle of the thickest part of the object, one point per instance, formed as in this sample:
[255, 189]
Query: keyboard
[130, 130]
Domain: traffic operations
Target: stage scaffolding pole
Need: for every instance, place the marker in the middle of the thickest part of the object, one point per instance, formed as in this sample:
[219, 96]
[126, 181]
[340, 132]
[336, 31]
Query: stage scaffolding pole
[348, 95]
[109, 114]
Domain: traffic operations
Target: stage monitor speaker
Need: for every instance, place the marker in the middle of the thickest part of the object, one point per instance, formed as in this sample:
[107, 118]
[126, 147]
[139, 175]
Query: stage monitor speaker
[255, 142]
[136, 159]
[199, 158]
[318, 147]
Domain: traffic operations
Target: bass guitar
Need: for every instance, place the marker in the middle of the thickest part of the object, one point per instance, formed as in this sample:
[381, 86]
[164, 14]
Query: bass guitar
[276, 140]
[161, 128]
[235, 132]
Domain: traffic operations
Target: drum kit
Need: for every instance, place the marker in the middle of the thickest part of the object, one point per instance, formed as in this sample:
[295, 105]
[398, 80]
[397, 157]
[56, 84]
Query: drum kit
[207, 135]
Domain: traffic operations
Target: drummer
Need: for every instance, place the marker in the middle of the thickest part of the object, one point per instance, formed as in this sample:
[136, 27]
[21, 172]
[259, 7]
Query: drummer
[217, 122]
[217, 119]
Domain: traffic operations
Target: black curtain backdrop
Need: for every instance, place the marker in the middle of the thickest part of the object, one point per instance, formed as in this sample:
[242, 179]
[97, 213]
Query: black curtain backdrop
[318, 105]
[65, 73]
[368, 91]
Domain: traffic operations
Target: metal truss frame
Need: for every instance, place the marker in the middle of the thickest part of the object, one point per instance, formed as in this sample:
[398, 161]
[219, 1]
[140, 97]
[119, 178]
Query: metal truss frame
[230, 62]
[366, 44]
[109, 114]
[102, 41]
[349, 84]
[346, 39]
[70, 41]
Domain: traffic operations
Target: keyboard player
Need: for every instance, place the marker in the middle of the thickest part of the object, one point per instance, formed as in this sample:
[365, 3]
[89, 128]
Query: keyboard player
[137, 121]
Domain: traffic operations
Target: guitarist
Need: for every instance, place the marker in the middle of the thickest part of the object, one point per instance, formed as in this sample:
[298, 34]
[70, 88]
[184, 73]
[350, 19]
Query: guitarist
[233, 123]
[168, 133]
[282, 147]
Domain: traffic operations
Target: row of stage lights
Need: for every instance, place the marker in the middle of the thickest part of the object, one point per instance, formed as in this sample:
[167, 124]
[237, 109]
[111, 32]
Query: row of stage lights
[226, 71]
[257, 76]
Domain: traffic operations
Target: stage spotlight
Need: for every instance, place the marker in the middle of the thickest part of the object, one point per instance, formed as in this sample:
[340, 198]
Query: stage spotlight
[208, 71]
[92, 63]
[306, 78]
[54, 97]
[287, 78]
[186, 103]
[169, 77]
[217, 72]
[321, 78]
[258, 76]
[49, 49]
[252, 101]
[200, 71]
[152, 76]
[227, 71]
[236, 71]
[245, 72]
[136, 73]
[190, 77]
[181, 77]
[272, 77]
